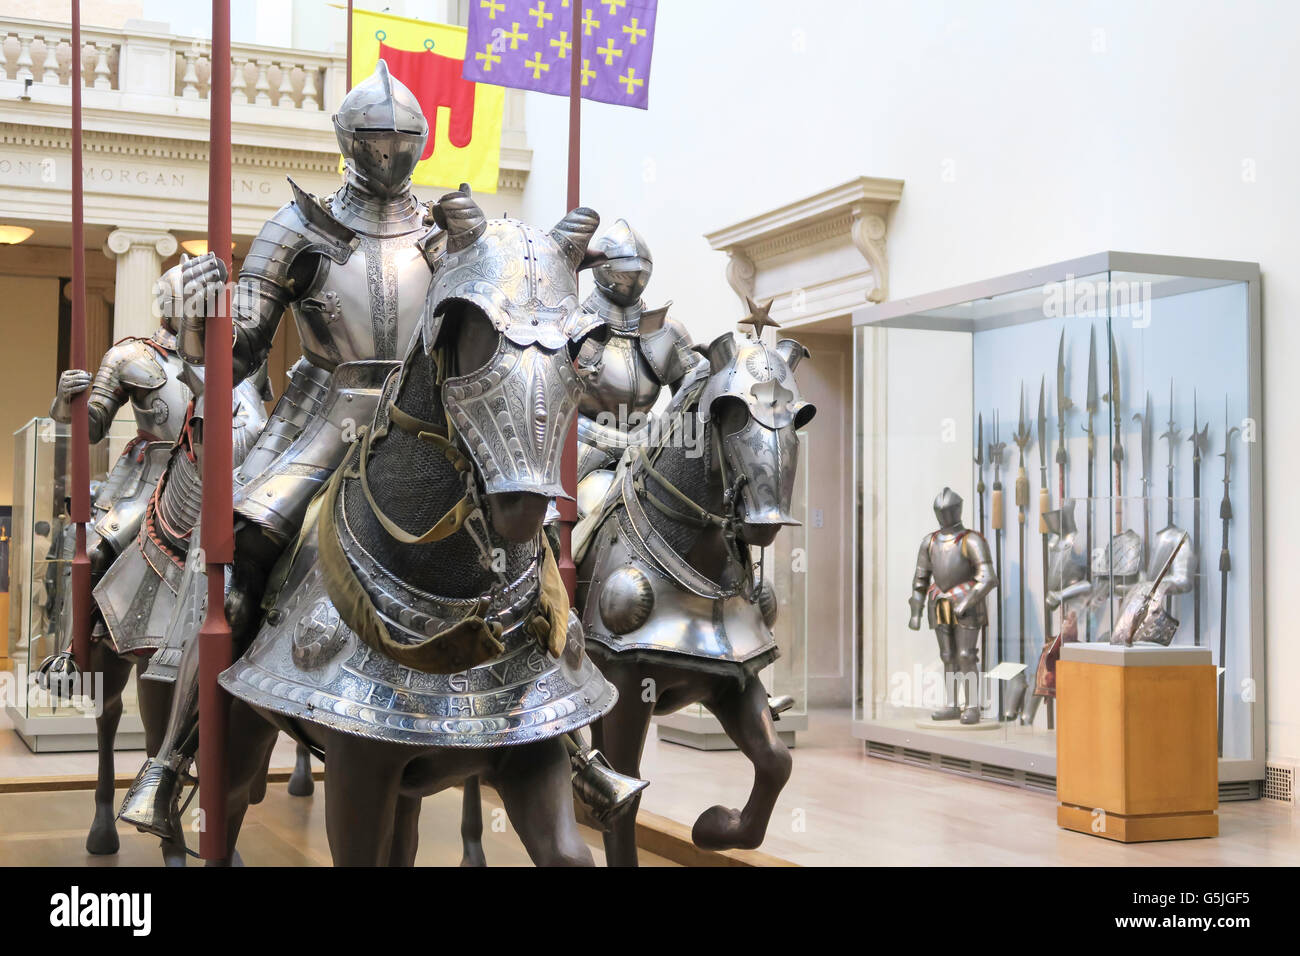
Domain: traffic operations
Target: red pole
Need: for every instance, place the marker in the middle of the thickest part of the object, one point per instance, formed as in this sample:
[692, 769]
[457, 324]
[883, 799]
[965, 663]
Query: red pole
[217, 521]
[349, 66]
[81, 606]
[569, 460]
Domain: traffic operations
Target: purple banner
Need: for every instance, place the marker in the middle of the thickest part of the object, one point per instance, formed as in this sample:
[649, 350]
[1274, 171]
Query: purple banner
[528, 45]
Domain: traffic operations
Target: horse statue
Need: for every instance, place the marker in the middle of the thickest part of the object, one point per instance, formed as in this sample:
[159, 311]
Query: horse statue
[417, 633]
[668, 592]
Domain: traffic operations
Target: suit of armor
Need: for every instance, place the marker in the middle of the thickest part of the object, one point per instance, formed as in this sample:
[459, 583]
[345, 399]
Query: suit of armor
[349, 268]
[633, 354]
[954, 573]
[147, 374]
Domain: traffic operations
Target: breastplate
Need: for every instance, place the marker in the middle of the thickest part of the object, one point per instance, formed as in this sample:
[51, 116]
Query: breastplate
[161, 411]
[948, 562]
[366, 308]
[622, 380]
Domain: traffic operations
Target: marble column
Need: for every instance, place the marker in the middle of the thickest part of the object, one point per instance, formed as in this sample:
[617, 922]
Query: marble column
[139, 255]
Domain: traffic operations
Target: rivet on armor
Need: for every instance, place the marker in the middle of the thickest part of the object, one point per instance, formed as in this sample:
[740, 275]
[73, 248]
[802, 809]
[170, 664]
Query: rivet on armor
[626, 600]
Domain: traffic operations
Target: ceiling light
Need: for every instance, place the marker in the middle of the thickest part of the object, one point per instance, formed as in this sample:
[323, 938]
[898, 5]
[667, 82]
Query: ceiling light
[12, 235]
[198, 247]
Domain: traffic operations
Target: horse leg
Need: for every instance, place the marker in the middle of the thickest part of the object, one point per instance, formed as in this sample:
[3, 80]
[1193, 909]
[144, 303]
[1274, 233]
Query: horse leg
[257, 791]
[155, 704]
[747, 720]
[248, 738]
[471, 824]
[534, 783]
[102, 839]
[301, 783]
[620, 735]
[406, 832]
[361, 794]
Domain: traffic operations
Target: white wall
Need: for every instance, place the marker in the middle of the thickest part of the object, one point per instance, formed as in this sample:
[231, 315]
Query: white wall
[1027, 132]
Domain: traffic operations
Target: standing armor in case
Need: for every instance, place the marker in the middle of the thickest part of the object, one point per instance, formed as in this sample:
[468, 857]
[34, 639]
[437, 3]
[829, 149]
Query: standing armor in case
[954, 573]
[1067, 589]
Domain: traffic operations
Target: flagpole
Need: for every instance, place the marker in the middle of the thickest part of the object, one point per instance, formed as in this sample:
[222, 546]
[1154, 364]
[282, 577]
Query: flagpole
[567, 507]
[217, 531]
[80, 437]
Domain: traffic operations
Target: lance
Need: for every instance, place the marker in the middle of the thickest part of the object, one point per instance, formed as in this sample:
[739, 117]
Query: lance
[1022, 438]
[80, 438]
[567, 506]
[980, 488]
[1200, 440]
[217, 529]
[1225, 560]
[1144, 418]
[996, 450]
[1090, 408]
[1044, 505]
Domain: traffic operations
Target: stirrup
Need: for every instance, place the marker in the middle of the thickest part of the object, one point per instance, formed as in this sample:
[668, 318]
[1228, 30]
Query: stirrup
[152, 804]
[607, 793]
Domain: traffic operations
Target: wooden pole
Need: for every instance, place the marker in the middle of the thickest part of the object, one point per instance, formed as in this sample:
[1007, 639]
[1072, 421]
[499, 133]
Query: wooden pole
[217, 531]
[567, 507]
[80, 439]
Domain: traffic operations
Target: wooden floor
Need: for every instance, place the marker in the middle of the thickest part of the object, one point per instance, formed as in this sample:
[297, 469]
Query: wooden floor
[839, 808]
[49, 829]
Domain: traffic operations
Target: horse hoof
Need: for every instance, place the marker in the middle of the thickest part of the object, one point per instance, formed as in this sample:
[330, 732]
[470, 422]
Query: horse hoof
[473, 857]
[173, 855]
[301, 784]
[102, 839]
[721, 828]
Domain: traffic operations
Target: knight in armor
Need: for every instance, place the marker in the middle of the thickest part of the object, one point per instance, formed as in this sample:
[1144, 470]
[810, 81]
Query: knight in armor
[349, 269]
[630, 354]
[954, 574]
[147, 374]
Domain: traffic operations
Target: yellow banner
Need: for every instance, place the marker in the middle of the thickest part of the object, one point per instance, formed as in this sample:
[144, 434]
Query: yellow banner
[464, 118]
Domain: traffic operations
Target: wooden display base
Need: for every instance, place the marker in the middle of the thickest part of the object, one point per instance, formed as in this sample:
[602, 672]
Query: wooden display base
[1138, 829]
[1136, 742]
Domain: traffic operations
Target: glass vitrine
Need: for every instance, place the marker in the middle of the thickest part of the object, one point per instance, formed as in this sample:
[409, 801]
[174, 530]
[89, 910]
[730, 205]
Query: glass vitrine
[1098, 417]
[40, 587]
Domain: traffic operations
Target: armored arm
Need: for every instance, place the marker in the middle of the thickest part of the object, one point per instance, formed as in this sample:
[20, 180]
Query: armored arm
[282, 265]
[109, 390]
[977, 552]
[920, 584]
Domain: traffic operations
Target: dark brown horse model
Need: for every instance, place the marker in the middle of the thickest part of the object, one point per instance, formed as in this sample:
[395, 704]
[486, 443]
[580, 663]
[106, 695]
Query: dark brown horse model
[418, 632]
[675, 610]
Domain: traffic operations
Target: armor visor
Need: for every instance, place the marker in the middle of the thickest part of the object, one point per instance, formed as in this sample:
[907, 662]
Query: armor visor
[513, 414]
[382, 159]
[624, 278]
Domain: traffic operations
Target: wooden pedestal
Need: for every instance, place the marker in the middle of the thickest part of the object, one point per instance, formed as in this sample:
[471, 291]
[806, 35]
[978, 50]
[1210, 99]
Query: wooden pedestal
[1136, 745]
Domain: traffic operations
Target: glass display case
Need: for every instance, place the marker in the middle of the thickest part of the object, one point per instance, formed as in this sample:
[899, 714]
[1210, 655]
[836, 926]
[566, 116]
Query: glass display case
[40, 571]
[785, 564]
[1100, 419]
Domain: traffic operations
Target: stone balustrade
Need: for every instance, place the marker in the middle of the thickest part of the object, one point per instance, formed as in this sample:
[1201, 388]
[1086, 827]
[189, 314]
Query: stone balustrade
[143, 58]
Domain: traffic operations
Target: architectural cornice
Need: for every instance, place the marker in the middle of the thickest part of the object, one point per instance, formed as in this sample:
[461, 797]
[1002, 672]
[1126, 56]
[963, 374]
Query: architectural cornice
[855, 213]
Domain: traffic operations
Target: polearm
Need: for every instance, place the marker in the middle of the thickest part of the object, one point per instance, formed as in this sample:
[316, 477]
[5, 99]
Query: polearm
[1090, 407]
[1022, 438]
[80, 437]
[1200, 440]
[1117, 450]
[1063, 406]
[980, 488]
[568, 507]
[1225, 559]
[1144, 418]
[1044, 505]
[217, 531]
[1172, 435]
[996, 451]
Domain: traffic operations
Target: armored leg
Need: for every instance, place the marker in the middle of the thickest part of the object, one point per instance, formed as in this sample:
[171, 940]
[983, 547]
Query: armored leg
[152, 803]
[968, 673]
[948, 654]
